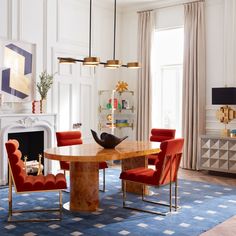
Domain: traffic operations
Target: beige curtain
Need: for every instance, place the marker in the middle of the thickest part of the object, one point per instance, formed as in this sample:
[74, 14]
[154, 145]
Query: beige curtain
[145, 37]
[194, 82]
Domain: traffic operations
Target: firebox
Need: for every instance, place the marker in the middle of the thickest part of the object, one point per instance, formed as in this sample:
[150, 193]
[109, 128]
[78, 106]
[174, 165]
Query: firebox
[31, 144]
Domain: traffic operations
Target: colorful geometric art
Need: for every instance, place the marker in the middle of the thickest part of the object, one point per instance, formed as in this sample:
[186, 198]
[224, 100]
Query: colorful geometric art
[18, 64]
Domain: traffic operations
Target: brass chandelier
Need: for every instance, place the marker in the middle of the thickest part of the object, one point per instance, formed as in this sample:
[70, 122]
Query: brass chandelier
[95, 61]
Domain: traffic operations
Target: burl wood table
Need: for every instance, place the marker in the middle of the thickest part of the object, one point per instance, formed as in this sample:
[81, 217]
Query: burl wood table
[84, 171]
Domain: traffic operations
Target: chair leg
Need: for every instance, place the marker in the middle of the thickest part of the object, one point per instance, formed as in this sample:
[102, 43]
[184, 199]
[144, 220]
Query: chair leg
[60, 203]
[10, 198]
[139, 209]
[41, 210]
[176, 195]
[170, 197]
[104, 180]
[124, 192]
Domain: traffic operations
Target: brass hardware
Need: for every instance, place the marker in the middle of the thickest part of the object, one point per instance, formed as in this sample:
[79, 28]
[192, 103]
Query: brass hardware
[39, 165]
[10, 201]
[25, 160]
[225, 114]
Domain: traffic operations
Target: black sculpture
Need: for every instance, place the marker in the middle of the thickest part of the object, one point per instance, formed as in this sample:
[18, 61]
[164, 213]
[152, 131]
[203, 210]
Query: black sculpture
[107, 140]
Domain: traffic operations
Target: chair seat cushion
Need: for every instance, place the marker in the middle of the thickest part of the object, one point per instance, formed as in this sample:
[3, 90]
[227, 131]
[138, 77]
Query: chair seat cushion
[65, 165]
[103, 165]
[141, 175]
[40, 182]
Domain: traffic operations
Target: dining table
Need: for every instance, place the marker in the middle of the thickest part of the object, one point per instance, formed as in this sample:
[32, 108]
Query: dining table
[84, 168]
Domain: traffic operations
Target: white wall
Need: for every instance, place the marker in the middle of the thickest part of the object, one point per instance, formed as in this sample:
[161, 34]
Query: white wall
[220, 46]
[60, 28]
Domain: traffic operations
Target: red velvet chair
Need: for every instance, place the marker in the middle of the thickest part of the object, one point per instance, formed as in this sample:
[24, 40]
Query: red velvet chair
[67, 138]
[159, 135]
[165, 173]
[24, 183]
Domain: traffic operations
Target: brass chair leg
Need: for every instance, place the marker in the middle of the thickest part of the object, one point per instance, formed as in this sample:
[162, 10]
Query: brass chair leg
[10, 197]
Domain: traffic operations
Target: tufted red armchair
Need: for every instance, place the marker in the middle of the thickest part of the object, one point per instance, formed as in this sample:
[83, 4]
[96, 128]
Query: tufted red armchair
[67, 138]
[166, 172]
[24, 183]
[159, 135]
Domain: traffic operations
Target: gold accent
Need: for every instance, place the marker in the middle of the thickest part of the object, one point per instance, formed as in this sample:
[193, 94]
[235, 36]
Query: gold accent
[133, 65]
[91, 61]
[225, 114]
[66, 60]
[39, 166]
[121, 86]
[25, 160]
[113, 64]
[10, 201]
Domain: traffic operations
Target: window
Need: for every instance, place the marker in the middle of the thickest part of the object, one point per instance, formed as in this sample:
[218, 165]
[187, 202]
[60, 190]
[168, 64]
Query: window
[167, 79]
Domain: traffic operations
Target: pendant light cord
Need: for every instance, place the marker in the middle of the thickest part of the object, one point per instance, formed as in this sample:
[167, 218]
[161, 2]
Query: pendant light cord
[90, 27]
[114, 42]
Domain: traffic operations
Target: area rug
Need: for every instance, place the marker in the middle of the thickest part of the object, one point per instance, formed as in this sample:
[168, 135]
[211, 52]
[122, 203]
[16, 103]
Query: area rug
[203, 206]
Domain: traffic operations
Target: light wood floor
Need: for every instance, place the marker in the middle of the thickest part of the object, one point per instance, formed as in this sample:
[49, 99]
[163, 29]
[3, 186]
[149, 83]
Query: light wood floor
[228, 227]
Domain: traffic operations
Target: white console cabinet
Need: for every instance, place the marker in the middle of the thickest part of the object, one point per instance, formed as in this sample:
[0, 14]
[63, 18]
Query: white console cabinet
[217, 153]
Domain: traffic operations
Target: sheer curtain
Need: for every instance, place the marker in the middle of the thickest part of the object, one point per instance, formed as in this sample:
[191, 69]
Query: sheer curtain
[193, 82]
[145, 38]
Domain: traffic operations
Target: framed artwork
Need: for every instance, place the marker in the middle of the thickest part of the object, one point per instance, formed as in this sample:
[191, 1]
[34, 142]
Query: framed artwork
[17, 71]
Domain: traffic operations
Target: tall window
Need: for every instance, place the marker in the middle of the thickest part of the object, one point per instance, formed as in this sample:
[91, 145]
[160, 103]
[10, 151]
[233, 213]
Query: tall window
[167, 79]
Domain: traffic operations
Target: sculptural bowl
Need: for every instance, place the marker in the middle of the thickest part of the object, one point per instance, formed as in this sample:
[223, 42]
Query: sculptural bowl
[107, 140]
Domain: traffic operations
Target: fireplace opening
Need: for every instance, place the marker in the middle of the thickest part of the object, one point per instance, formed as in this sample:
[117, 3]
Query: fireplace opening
[31, 145]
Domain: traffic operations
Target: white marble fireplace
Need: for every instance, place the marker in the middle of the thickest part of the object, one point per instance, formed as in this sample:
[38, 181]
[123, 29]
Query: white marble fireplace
[17, 123]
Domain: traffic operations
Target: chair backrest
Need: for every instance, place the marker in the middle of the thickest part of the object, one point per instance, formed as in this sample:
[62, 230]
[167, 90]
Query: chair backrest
[67, 138]
[17, 166]
[160, 135]
[169, 160]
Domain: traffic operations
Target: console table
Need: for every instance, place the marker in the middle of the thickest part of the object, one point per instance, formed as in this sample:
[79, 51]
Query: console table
[217, 153]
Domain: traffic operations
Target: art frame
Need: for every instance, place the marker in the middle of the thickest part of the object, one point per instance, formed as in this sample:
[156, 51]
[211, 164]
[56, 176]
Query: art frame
[17, 71]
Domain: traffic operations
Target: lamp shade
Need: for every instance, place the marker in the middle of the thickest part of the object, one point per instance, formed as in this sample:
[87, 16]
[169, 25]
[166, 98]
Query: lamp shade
[224, 96]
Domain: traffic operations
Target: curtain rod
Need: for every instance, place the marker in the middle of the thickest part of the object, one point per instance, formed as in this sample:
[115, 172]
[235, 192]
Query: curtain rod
[174, 5]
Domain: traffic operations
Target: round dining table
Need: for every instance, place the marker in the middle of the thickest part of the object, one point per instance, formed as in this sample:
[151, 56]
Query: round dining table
[84, 171]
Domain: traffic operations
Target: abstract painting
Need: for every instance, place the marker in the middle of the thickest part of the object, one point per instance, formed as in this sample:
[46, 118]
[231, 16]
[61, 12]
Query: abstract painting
[17, 71]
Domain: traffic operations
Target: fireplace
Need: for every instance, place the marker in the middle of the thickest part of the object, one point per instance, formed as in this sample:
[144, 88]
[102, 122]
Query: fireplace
[31, 144]
[35, 133]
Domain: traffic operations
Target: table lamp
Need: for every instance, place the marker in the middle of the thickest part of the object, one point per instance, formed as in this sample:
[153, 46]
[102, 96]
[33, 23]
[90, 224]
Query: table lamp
[224, 96]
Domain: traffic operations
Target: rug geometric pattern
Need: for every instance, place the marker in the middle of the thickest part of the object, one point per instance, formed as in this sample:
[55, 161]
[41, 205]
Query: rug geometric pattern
[203, 206]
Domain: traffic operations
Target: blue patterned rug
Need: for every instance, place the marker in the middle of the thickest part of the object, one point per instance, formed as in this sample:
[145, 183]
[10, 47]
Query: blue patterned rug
[203, 207]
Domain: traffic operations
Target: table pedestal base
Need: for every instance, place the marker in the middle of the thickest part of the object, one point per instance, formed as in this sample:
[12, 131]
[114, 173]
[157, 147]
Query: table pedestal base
[133, 163]
[84, 186]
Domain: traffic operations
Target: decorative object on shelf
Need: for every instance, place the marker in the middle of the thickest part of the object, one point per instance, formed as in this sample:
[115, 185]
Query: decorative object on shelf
[121, 86]
[17, 70]
[109, 117]
[36, 107]
[94, 61]
[125, 104]
[107, 140]
[43, 86]
[224, 96]
[233, 133]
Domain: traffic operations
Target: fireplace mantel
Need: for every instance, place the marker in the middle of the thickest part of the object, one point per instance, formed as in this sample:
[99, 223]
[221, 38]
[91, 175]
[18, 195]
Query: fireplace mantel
[16, 123]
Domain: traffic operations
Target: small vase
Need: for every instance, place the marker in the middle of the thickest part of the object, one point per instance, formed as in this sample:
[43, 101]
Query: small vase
[43, 106]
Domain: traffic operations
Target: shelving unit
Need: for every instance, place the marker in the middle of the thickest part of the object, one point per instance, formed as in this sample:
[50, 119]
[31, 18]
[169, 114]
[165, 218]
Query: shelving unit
[218, 153]
[116, 112]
